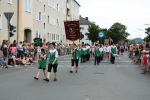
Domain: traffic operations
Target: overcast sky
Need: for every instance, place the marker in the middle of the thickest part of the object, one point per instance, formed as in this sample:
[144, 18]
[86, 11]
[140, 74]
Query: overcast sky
[132, 13]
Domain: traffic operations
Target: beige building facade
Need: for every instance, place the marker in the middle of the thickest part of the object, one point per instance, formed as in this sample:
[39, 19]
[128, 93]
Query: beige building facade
[8, 6]
[41, 19]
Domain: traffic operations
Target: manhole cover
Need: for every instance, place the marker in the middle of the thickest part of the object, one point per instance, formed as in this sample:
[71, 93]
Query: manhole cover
[98, 73]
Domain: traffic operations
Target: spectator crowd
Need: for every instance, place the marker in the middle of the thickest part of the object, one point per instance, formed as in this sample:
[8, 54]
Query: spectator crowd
[22, 53]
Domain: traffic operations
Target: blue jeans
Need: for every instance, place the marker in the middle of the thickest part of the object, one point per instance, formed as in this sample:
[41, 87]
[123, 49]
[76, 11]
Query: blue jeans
[20, 52]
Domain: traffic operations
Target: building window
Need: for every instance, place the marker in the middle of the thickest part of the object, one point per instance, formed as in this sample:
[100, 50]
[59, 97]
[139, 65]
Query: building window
[9, 1]
[57, 22]
[44, 8]
[40, 0]
[48, 36]
[27, 6]
[68, 12]
[0, 21]
[54, 36]
[48, 19]
[57, 7]
[38, 16]
[58, 36]
[81, 28]
[37, 34]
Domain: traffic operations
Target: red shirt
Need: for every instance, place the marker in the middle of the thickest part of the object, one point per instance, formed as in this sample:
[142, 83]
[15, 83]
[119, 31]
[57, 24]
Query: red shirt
[145, 59]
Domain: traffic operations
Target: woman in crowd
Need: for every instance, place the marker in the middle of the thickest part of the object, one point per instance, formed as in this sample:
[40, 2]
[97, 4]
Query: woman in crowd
[13, 49]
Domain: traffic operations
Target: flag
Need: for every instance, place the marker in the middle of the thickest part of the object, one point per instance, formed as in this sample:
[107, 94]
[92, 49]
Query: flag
[72, 29]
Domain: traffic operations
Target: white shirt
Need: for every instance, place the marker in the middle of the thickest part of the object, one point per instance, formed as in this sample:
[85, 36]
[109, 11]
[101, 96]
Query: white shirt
[39, 49]
[52, 51]
[101, 49]
[108, 49]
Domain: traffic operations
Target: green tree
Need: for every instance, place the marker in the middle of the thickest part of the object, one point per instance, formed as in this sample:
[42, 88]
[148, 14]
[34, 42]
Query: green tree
[117, 32]
[147, 39]
[93, 32]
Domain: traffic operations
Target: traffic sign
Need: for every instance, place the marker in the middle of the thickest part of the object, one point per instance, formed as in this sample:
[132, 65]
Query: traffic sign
[100, 34]
[8, 15]
[37, 42]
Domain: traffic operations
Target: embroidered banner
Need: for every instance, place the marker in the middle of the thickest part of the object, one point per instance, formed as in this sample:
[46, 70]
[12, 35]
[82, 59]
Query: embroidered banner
[72, 29]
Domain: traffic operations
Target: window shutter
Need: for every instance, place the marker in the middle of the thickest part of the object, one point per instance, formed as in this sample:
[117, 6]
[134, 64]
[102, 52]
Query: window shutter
[54, 5]
[37, 13]
[54, 21]
[48, 2]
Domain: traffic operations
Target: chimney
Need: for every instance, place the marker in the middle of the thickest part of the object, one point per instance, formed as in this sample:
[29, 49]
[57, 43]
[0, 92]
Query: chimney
[86, 18]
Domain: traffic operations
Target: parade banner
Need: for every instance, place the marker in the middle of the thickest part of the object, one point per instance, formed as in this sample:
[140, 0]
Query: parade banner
[72, 29]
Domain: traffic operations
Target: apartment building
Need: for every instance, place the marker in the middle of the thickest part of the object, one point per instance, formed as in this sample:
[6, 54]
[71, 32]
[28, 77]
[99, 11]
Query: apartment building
[84, 25]
[38, 18]
[8, 6]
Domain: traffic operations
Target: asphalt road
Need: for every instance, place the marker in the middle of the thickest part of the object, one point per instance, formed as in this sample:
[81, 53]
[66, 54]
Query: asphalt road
[121, 81]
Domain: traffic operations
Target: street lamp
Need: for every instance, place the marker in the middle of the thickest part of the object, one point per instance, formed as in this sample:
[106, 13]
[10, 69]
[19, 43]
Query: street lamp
[147, 24]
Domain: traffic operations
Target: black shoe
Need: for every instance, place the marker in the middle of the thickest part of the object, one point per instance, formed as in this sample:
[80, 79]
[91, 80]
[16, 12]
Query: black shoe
[71, 71]
[47, 80]
[94, 64]
[76, 71]
[6, 67]
[35, 78]
[44, 79]
[55, 79]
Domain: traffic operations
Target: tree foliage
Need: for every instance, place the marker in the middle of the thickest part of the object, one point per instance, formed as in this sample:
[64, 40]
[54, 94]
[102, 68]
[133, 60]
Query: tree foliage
[117, 32]
[93, 31]
[147, 39]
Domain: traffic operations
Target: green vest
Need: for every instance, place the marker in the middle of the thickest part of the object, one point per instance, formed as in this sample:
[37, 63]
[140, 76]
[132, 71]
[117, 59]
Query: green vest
[113, 50]
[97, 52]
[76, 54]
[42, 63]
[52, 58]
[88, 51]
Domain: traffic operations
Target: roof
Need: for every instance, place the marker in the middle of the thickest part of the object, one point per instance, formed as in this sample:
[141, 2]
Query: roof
[77, 3]
[84, 21]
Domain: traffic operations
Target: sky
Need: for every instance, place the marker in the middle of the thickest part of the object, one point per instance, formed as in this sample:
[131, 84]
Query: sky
[134, 14]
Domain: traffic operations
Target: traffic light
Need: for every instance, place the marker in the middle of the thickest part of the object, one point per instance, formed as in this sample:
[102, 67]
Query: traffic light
[82, 36]
[12, 30]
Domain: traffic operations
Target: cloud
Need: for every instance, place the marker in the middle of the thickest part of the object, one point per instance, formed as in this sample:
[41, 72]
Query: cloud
[117, 10]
